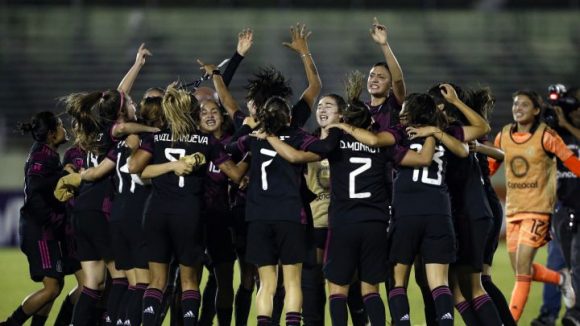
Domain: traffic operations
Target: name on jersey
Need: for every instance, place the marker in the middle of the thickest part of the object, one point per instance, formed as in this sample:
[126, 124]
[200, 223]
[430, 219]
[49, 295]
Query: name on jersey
[522, 185]
[358, 147]
[198, 139]
[565, 175]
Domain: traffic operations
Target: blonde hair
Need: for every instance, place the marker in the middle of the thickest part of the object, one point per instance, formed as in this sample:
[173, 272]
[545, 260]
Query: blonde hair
[177, 107]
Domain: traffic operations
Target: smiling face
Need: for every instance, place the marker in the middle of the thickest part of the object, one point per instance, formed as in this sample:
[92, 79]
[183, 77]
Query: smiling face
[327, 112]
[210, 117]
[379, 81]
[523, 110]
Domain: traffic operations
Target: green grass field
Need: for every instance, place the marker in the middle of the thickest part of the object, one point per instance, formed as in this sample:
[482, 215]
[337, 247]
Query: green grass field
[15, 284]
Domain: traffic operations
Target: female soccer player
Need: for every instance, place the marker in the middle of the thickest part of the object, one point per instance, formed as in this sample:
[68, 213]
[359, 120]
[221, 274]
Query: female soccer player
[42, 218]
[172, 217]
[529, 146]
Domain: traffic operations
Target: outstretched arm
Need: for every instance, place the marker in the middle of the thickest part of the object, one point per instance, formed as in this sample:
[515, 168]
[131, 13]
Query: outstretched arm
[424, 157]
[369, 138]
[245, 41]
[127, 83]
[486, 148]
[286, 151]
[126, 128]
[98, 172]
[299, 45]
[179, 167]
[379, 35]
[453, 144]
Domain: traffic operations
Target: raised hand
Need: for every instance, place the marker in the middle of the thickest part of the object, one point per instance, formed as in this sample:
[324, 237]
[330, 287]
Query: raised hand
[299, 35]
[245, 41]
[378, 32]
[449, 93]
[206, 68]
[142, 53]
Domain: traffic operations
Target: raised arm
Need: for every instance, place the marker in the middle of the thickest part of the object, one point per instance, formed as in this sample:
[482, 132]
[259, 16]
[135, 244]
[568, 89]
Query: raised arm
[127, 82]
[226, 98]
[453, 144]
[299, 45]
[245, 41]
[478, 125]
[369, 138]
[379, 35]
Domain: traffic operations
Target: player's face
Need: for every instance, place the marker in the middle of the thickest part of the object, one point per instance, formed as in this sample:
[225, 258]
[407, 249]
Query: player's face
[403, 116]
[327, 112]
[523, 110]
[210, 117]
[379, 81]
[59, 136]
[131, 109]
[251, 108]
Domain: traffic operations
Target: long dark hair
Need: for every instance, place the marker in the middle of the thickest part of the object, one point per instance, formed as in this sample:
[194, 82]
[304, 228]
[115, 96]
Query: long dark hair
[481, 100]
[274, 115]
[266, 83]
[422, 111]
[40, 125]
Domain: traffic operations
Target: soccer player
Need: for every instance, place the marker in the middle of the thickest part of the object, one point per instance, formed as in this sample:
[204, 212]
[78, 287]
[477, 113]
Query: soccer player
[172, 219]
[42, 218]
[529, 146]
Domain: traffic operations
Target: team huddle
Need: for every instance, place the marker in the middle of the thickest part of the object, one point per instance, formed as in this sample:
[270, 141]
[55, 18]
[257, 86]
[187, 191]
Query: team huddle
[150, 195]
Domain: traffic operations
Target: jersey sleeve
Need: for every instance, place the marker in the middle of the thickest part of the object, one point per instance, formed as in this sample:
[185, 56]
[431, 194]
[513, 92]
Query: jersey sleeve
[217, 153]
[554, 144]
[239, 147]
[231, 68]
[327, 145]
[456, 131]
[147, 142]
[74, 156]
[300, 114]
[238, 119]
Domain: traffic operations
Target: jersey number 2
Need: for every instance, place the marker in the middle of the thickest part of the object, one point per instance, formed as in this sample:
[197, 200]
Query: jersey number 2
[366, 164]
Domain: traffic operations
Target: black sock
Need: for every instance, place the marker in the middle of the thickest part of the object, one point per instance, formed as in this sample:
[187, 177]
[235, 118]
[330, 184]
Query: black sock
[429, 306]
[208, 302]
[118, 289]
[242, 304]
[65, 313]
[499, 300]
[264, 320]
[122, 311]
[485, 311]
[151, 306]
[278, 305]
[85, 309]
[467, 313]
[356, 305]
[375, 308]
[293, 318]
[338, 311]
[399, 306]
[313, 296]
[443, 300]
[38, 320]
[134, 311]
[190, 301]
[224, 315]
[18, 317]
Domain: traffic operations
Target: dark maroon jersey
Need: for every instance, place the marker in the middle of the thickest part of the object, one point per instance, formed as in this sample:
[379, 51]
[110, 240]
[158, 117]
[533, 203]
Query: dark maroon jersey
[41, 214]
[422, 190]
[172, 193]
[216, 185]
[357, 187]
[465, 182]
[274, 189]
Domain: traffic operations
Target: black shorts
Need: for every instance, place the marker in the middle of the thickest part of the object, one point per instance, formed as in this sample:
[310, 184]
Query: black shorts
[128, 240]
[240, 227]
[276, 241]
[44, 258]
[174, 235]
[219, 237]
[92, 234]
[472, 237]
[493, 239]
[430, 236]
[356, 247]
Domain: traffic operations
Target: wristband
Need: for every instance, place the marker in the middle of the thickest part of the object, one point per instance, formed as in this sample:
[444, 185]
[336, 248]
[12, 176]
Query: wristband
[305, 54]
